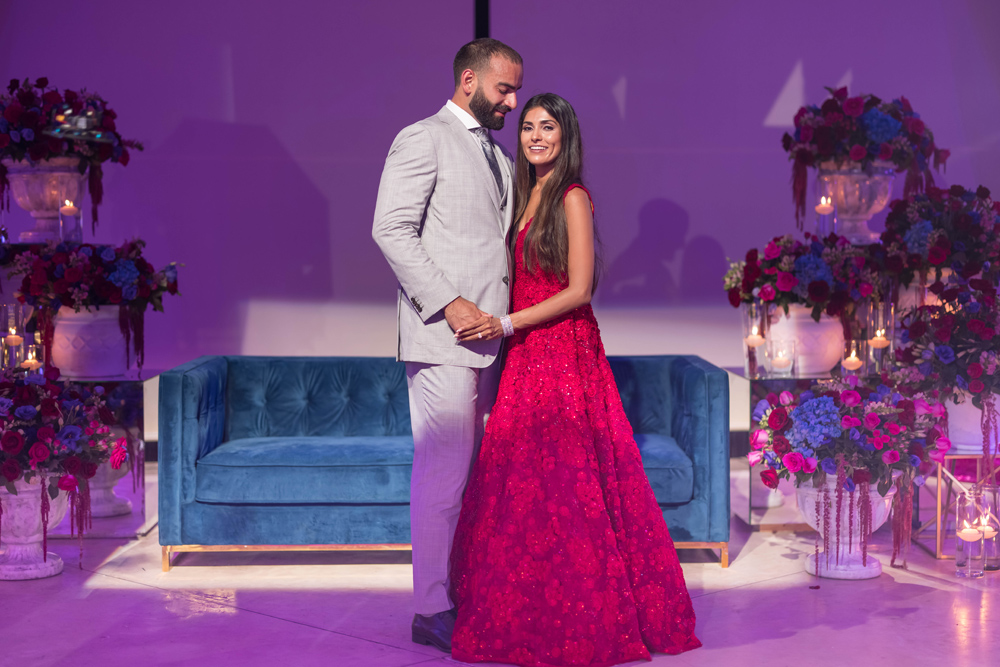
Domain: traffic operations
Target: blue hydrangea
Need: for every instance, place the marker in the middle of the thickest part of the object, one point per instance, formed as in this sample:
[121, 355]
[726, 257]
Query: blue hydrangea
[124, 274]
[916, 238]
[881, 127]
[25, 412]
[814, 424]
[809, 268]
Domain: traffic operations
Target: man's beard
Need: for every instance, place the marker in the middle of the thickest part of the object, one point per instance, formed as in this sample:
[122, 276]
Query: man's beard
[483, 111]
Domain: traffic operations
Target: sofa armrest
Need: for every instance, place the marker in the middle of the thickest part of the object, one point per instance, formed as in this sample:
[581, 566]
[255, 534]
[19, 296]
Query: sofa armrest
[700, 425]
[192, 424]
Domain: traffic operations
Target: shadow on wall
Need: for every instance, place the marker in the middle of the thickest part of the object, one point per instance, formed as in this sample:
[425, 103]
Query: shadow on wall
[205, 181]
[661, 267]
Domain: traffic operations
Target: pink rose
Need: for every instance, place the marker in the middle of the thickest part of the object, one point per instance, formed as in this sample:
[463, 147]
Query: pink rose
[67, 482]
[865, 289]
[809, 467]
[770, 478]
[786, 398]
[850, 398]
[846, 421]
[793, 461]
[119, 455]
[936, 455]
[759, 438]
[786, 281]
[854, 107]
[872, 420]
[921, 407]
[942, 443]
[893, 428]
[767, 292]
[754, 458]
[858, 152]
[890, 456]
[772, 250]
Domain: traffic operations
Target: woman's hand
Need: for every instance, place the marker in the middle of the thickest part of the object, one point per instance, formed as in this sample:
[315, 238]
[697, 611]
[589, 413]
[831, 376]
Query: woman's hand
[485, 328]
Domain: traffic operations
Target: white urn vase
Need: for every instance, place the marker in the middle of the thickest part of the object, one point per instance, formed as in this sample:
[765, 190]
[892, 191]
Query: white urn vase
[965, 427]
[21, 553]
[104, 502]
[819, 346]
[41, 189]
[857, 195]
[88, 344]
[842, 557]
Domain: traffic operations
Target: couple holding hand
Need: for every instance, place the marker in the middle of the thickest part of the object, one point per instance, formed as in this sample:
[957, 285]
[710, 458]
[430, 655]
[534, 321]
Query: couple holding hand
[536, 536]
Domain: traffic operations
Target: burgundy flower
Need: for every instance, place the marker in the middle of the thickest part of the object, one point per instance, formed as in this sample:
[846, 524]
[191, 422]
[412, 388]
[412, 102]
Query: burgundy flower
[11, 469]
[840, 93]
[854, 106]
[52, 97]
[894, 263]
[752, 258]
[943, 335]
[781, 445]
[819, 291]
[861, 476]
[777, 419]
[975, 369]
[46, 434]
[89, 469]
[806, 133]
[937, 256]
[976, 386]
[982, 192]
[38, 453]
[734, 297]
[72, 464]
[858, 152]
[12, 442]
[107, 416]
[914, 126]
[885, 151]
[13, 113]
[770, 478]
[49, 408]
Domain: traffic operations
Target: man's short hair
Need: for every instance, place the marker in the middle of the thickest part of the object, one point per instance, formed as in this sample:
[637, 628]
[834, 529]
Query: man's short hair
[477, 54]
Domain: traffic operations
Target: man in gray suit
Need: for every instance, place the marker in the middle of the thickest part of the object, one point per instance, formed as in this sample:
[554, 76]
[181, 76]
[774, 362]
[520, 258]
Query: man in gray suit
[444, 208]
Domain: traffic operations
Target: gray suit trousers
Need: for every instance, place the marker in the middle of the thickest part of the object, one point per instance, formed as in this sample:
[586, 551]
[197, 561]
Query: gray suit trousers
[449, 406]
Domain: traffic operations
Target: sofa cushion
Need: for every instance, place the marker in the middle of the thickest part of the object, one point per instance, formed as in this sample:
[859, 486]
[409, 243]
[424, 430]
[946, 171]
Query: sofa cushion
[668, 468]
[304, 469]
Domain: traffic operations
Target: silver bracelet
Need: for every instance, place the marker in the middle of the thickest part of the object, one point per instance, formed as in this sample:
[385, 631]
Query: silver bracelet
[508, 326]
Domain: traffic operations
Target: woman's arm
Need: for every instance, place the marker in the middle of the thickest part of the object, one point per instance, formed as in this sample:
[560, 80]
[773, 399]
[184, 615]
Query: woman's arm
[580, 274]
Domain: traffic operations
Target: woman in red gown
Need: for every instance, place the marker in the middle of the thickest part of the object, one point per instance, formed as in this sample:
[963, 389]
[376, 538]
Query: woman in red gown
[561, 556]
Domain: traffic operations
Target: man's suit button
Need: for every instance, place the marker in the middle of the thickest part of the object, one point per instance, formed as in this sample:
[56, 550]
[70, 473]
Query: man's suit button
[506, 281]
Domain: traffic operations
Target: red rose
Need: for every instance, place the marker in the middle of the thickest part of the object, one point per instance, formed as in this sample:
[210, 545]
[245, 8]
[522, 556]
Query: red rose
[11, 469]
[46, 433]
[89, 469]
[107, 416]
[806, 134]
[72, 464]
[49, 408]
[915, 126]
[840, 94]
[67, 482]
[937, 255]
[854, 107]
[108, 123]
[104, 152]
[858, 152]
[115, 296]
[770, 478]
[13, 112]
[975, 369]
[976, 386]
[61, 286]
[74, 274]
[123, 158]
[819, 290]
[943, 335]
[894, 264]
[885, 152]
[52, 97]
[12, 442]
[777, 419]
[4, 140]
[38, 453]
[781, 445]
[30, 119]
[983, 192]
[918, 329]
[987, 333]
[734, 297]
[38, 151]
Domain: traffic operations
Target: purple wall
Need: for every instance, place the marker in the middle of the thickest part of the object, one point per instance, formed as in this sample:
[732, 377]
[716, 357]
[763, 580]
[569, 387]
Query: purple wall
[267, 124]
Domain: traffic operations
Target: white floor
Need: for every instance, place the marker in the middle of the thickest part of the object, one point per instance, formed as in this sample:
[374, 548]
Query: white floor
[116, 607]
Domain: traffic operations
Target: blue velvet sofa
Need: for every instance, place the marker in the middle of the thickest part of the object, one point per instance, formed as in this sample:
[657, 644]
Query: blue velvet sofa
[265, 453]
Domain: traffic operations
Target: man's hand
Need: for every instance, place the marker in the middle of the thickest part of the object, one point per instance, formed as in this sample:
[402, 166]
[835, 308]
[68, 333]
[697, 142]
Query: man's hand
[462, 313]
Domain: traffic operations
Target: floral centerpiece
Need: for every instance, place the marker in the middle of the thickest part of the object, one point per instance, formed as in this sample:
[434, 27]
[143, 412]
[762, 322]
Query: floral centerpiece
[941, 230]
[853, 435]
[29, 114]
[861, 129]
[59, 436]
[88, 276]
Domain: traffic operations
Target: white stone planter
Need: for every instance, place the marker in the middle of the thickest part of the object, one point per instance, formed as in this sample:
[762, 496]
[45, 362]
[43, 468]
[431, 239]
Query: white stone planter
[965, 427]
[845, 558]
[40, 189]
[819, 346]
[21, 555]
[103, 500]
[88, 344]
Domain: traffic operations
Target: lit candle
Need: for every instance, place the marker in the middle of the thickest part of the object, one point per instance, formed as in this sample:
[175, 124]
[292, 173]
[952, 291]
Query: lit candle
[754, 339]
[969, 533]
[879, 341]
[781, 361]
[989, 532]
[852, 363]
[12, 338]
[825, 206]
[69, 210]
[31, 363]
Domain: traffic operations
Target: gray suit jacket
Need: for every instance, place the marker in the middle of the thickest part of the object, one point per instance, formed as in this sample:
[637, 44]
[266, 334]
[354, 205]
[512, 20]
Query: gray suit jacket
[442, 226]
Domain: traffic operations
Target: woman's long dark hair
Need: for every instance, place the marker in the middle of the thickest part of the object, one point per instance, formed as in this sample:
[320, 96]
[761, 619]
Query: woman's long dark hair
[546, 246]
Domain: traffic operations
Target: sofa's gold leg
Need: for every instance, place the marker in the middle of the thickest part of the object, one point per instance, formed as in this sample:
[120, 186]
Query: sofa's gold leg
[166, 558]
[724, 556]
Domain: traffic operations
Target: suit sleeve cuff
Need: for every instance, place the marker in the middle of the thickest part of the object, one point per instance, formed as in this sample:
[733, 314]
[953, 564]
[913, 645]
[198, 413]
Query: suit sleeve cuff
[429, 303]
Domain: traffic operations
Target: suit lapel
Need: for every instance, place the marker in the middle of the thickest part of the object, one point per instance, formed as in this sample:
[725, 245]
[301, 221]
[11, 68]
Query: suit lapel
[472, 148]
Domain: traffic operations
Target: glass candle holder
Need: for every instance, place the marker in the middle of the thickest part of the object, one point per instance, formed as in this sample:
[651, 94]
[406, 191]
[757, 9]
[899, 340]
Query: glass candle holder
[990, 523]
[754, 316]
[853, 362]
[12, 317]
[969, 535]
[781, 358]
[881, 331]
[32, 361]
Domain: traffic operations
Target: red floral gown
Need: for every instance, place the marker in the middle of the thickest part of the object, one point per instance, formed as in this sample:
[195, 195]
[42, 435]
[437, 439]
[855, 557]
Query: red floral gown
[561, 555]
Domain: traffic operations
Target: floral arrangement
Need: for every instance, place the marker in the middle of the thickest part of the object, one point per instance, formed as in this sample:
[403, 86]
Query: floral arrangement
[825, 274]
[28, 115]
[58, 435]
[861, 129]
[81, 276]
[953, 229]
[857, 435]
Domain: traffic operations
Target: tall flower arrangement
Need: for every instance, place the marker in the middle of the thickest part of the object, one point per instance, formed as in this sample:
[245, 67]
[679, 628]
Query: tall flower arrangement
[861, 129]
[29, 112]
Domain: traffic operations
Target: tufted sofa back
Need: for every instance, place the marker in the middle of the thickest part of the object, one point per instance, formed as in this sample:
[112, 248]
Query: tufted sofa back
[644, 385]
[315, 396]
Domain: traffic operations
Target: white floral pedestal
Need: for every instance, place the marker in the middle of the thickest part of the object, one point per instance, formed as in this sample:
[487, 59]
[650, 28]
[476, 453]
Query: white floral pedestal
[819, 346]
[88, 344]
[104, 502]
[842, 559]
[21, 554]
